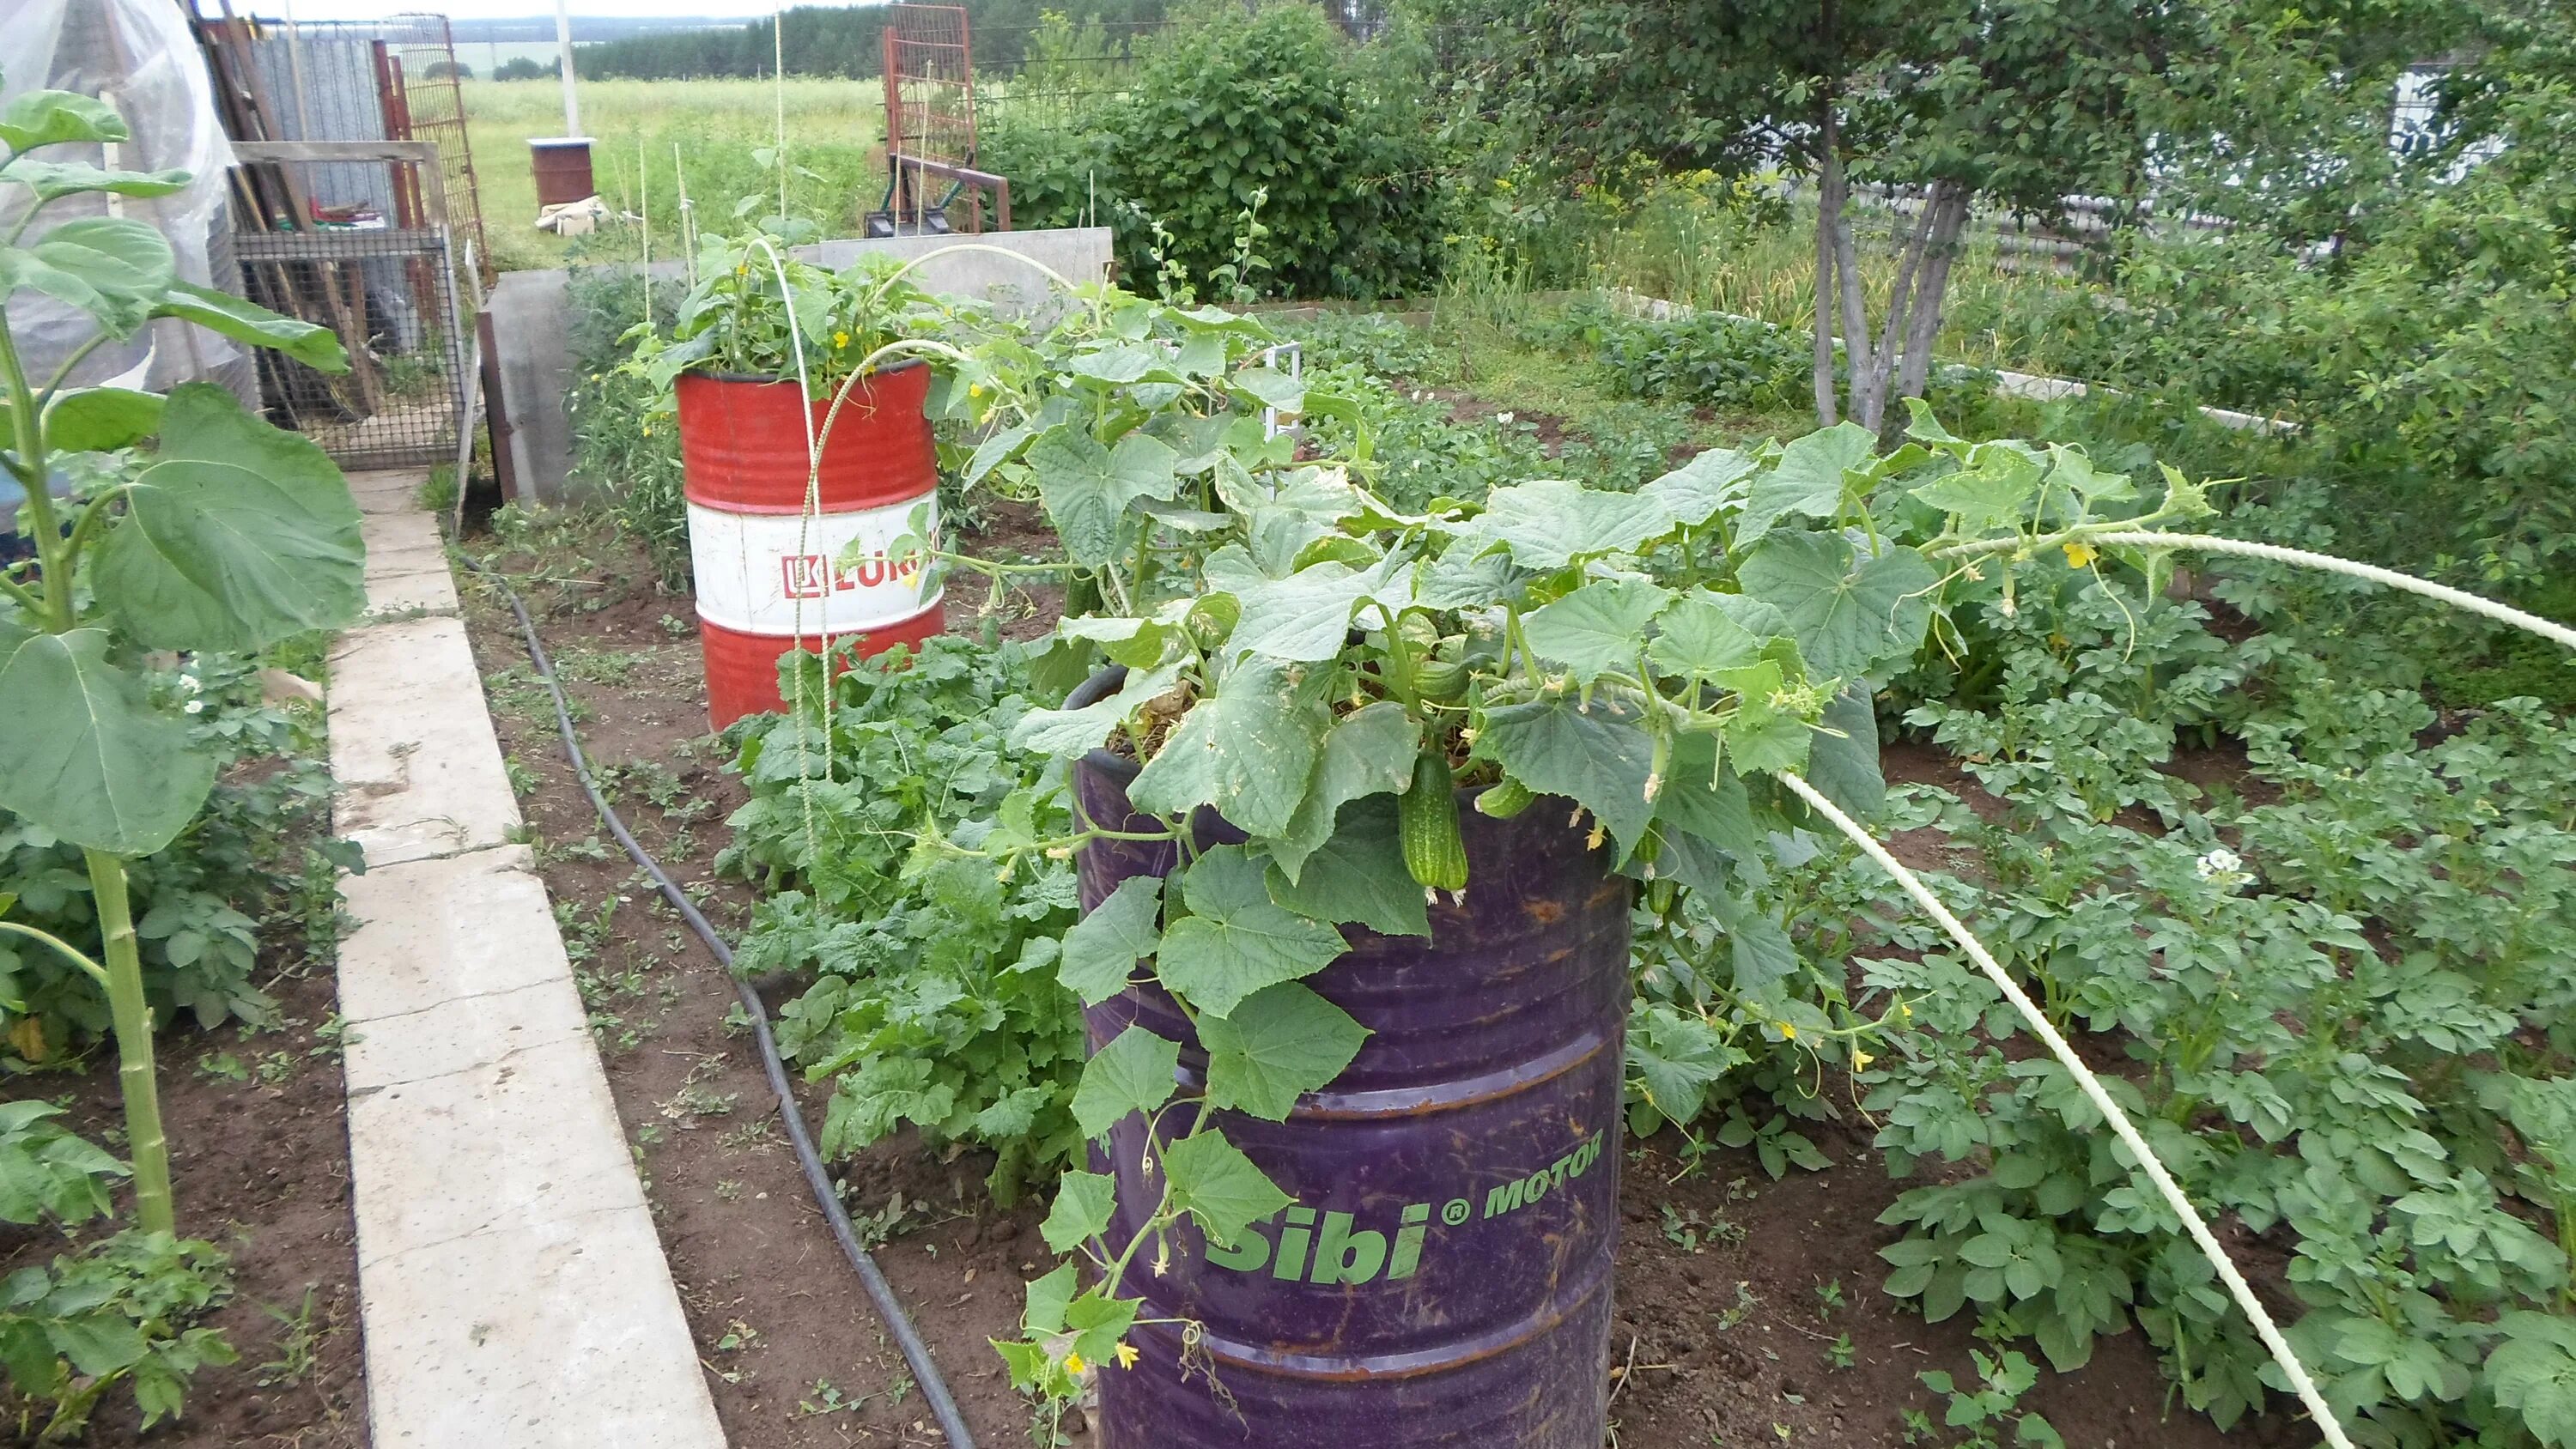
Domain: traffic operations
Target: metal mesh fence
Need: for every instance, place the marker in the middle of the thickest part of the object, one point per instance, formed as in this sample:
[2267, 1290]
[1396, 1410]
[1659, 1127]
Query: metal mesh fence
[380, 80]
[1059, 76]
[389, 293]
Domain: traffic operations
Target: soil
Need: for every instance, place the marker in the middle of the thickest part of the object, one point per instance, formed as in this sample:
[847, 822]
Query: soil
[1727, 1322]
[259, 1163]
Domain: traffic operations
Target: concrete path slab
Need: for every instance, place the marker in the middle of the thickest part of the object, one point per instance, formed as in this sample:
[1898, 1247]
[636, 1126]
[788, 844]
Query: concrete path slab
[512, 1284]
[412, 748]
[390, 491]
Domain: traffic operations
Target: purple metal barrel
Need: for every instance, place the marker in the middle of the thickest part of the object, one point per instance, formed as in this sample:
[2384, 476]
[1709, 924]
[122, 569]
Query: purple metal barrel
[1444, 1275]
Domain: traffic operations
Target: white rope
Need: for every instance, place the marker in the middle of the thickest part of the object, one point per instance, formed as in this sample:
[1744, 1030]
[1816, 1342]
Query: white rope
[2275, 553]
[2120, 1125]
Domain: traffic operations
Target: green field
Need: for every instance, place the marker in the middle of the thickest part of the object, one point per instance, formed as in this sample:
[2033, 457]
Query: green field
[835, 130]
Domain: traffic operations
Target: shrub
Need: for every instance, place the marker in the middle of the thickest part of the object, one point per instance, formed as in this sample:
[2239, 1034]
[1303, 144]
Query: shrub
[1281, 112]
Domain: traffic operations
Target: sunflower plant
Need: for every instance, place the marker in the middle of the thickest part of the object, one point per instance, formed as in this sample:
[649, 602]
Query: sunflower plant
[216, 532]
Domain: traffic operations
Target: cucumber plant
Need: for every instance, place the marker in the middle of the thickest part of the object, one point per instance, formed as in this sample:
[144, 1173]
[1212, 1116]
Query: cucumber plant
[215, 531]
[1300, 656]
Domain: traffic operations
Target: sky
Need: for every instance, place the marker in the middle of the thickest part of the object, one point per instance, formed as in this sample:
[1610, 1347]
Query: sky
[507, 9]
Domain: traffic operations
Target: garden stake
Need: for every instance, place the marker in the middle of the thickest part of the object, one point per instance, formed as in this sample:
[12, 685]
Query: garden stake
[2119, 1122]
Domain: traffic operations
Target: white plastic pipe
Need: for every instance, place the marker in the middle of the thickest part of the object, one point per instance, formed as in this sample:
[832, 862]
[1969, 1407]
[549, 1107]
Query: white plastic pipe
[2121, 1126]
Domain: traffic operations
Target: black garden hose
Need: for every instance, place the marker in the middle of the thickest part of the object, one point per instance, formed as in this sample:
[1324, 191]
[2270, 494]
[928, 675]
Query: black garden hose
[934, 1389]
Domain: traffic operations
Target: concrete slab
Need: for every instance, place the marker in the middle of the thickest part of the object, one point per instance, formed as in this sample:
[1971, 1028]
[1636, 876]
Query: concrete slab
[412, 747]
[512, 1284]
[534, 1338]
[407, 591]
[409, 529]
[395, 490]
[454, 929]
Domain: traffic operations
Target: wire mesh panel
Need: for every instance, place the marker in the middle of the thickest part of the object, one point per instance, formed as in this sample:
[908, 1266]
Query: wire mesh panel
[389, 294]
[380, 80]
[428, 86]
[1057, 76]
[929, 84]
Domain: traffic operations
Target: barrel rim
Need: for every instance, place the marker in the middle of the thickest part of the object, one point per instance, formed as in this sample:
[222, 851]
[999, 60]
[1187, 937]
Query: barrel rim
[1122, 770]
[755, 379]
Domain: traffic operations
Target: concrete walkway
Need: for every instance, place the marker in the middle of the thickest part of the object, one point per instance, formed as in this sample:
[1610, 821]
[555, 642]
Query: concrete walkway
[514, 1291]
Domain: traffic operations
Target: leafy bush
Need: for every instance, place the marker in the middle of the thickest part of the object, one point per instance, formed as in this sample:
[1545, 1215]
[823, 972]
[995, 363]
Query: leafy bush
[120, 1309]
[1276, 112]
[1732, 364]
[2427, 360]
[623, 443]
[935, 1001]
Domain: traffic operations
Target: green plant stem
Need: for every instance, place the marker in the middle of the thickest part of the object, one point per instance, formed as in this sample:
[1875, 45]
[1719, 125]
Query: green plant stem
[133, 1017]
[29, 424]
[61, 947]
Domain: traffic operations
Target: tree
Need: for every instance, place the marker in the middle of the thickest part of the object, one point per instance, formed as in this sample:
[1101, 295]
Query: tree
[525, 68]
[1945, 106]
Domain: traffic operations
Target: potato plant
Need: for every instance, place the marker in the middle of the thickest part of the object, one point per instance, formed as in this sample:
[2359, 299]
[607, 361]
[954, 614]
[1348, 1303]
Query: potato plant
[225, 534]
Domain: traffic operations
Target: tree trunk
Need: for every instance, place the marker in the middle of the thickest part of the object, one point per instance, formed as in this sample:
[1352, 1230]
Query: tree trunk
[1827, 214]
[1859, 365]
[1870, 411]
[1931, 292]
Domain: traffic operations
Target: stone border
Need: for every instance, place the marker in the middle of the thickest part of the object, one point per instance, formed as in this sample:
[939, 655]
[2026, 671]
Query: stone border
[512, 1284]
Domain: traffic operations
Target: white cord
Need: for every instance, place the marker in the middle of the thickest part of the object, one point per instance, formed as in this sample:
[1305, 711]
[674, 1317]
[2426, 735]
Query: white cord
[2120, 1125]
[2211, 543]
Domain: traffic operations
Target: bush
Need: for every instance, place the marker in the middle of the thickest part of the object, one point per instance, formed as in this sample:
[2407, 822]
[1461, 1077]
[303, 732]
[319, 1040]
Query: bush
[934, 1001]
[1733, 364]
[1278, 113]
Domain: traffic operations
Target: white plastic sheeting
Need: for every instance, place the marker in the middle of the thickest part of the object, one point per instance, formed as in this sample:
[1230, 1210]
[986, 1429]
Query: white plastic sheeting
[140, 57]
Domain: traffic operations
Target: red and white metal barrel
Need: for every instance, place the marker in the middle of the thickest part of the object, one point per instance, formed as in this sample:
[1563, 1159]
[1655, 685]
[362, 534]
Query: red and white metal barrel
[770, 574]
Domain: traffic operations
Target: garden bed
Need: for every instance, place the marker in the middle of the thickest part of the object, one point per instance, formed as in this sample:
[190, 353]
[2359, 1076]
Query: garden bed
[1748, 1308]
[259, 1133]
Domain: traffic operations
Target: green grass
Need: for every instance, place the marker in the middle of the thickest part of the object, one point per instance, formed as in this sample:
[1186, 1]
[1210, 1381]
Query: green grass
[835, 130]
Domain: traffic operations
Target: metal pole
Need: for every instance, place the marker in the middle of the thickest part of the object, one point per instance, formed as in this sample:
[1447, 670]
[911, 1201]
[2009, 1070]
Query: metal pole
[563, 43]
[295, 72]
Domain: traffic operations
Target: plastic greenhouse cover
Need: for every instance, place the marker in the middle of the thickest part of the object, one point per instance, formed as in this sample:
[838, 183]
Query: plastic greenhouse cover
[139, 56]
